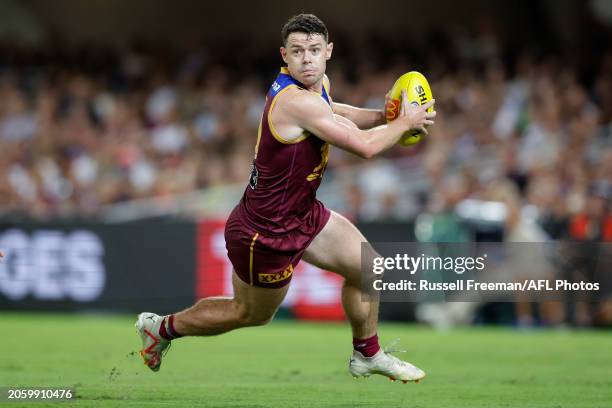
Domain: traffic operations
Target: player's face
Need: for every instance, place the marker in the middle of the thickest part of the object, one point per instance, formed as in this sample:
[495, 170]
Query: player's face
[306, 57]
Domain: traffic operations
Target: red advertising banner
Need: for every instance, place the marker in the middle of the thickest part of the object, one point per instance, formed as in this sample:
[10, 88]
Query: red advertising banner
[313, 294]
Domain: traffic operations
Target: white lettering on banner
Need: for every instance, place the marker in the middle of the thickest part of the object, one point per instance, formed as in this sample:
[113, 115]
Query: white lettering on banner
[52, 265]
[15, 280]
[48, 275]
[86, 267]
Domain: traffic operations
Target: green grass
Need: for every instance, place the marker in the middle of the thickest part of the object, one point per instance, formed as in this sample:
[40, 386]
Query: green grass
[291, 364]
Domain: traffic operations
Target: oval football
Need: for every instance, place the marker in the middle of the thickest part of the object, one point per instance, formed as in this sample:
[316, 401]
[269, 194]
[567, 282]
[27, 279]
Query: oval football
[418, 92]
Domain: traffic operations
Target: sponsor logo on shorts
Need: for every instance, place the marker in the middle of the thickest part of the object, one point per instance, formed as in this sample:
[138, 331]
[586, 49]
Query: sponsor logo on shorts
[276, 277]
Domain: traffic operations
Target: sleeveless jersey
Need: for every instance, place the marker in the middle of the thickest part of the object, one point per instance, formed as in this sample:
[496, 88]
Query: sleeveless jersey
[286, 174]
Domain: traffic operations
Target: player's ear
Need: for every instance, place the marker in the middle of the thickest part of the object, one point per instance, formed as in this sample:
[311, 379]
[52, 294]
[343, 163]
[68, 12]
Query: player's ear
[283, 52]
[328, 51]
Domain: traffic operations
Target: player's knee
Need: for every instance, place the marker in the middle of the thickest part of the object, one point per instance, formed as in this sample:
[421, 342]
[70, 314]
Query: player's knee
[249, 317]
[258, 319]
[261, 320]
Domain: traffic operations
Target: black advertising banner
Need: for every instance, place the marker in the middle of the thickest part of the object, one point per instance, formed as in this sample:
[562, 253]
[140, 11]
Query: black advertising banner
[127, 267]
[157, 266]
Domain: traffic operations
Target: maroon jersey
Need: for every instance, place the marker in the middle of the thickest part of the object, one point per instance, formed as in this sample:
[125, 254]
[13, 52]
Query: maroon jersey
[279, 215]
[285, 175]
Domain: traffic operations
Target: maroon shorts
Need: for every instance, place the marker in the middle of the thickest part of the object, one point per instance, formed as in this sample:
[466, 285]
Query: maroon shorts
[268, 261]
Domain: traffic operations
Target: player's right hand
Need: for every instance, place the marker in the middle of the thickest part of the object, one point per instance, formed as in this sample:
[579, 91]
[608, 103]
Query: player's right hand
[417, 117]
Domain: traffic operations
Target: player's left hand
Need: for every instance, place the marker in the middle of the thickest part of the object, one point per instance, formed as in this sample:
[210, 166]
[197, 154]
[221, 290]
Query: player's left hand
[383, 112]
[387, 100]
[418, 115]
[1, 255]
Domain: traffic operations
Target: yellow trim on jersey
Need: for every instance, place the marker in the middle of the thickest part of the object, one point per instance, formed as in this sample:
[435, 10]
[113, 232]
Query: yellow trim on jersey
[326, 91]
[328, 87]
[318, 171]
[251, 256]
[285, 70]
[258, 138]
[278, 137]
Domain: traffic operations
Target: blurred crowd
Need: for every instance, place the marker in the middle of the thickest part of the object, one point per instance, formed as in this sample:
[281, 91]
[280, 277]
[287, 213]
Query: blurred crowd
[80, 130]
[92, 128]
[539, 142]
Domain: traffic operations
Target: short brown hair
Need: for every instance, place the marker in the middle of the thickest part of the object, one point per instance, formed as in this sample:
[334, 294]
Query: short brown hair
[304, 23]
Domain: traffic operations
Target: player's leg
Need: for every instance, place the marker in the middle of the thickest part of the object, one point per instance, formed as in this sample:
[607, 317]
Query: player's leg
[338, 248]
[250, 306]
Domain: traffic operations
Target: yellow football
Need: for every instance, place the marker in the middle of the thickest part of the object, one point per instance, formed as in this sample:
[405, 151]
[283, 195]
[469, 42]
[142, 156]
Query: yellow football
[418, 91]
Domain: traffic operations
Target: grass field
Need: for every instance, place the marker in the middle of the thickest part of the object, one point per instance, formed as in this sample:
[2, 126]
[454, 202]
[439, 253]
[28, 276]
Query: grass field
[290, 364]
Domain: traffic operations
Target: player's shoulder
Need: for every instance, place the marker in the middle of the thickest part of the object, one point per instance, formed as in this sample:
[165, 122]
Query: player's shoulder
[300, 100]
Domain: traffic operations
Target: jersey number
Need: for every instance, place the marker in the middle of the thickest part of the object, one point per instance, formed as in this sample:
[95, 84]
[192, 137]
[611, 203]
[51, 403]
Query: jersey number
[317, 172]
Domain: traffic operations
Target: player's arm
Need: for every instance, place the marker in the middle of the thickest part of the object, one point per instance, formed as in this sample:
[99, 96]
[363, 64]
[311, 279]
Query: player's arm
[363, 118]
[311, 113]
